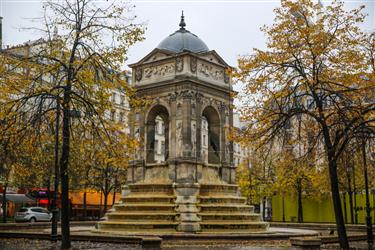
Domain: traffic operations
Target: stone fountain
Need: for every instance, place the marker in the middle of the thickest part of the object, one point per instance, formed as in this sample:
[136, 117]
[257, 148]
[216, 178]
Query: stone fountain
[191, 187]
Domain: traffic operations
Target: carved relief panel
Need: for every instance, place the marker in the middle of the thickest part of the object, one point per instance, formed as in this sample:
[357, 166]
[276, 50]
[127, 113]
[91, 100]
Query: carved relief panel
[159, 70]
[193, 64]
[194, 137]
[179, 64]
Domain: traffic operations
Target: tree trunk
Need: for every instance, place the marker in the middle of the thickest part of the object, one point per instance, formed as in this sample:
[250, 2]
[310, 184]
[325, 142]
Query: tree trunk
[283, 202]
[65, 225]
[105, 207]
[370, 240]
[341, 231]
[114, 197]
[300, 211]
[264, 208]
[100, 204]
[350, 194]
[4, 203]
[332, 167]
[345, 212]
[355, 198]
[106, 190]
[114, 192]
[85, 205]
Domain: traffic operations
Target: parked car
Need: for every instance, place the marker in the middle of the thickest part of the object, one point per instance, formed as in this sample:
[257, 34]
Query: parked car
[32, 214]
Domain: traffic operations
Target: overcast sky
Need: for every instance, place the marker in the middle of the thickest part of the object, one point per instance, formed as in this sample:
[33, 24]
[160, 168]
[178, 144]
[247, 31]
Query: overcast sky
[229, 27]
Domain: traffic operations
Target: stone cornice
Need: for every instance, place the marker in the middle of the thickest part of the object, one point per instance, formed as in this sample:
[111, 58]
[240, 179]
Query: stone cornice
[172, 56]
[183, 80]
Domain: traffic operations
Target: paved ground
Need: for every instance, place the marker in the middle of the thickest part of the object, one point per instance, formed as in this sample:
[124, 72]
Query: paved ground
[25, 244]
[171, 244]
[28, 244]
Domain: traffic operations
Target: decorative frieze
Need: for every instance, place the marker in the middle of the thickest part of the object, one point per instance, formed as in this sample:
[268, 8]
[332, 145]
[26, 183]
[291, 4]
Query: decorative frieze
[211, 71]
[159, 70]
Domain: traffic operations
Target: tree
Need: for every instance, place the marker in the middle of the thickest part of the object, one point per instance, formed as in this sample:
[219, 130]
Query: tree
[13, 144]
[78, 64]
[102, 166]
[12, 124]
[314, 67]
[255, 174]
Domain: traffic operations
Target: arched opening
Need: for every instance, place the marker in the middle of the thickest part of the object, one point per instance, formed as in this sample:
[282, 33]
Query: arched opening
[157, 129]
[211, 135]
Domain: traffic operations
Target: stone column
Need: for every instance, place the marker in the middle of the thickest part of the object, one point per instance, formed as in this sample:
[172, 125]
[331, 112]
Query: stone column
[186, 124]
[186, 207]
[135, 171]
[223, 137]
[231, 164]
[172, 137]
[198, 115]
[150, 142]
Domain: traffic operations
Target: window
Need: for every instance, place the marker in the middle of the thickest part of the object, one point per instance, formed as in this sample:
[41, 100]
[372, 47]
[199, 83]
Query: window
[114, 97]
[113, 113]
[44, 211]
[122, 99]
[204, 140]
[37, 210]
[121, 118]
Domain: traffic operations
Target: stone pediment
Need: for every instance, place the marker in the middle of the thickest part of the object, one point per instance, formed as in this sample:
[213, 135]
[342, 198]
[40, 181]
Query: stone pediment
[213, 56]
[153, 56]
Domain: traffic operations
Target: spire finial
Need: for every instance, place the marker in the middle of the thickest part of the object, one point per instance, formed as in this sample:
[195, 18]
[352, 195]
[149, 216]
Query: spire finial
[182, 22]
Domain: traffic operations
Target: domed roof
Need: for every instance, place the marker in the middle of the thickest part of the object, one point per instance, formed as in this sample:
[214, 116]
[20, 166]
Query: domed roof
[183, 40]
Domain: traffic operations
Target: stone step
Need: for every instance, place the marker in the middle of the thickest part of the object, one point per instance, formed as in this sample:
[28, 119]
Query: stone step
[151, 188]
[137, 225]
[145, 207]
[136, 198]
[230, 216]
[138, 216]
[220, 207]
[233, 225]
[218, 189]
[222, 199]
[135, 231]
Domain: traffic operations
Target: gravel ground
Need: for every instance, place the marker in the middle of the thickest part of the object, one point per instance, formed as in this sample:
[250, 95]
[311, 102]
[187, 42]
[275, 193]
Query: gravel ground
[28, 244]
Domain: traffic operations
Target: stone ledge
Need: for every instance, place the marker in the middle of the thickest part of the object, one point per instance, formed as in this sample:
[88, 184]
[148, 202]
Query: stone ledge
[151, 243]
[319, 226]
[307, 242]
[38, 225]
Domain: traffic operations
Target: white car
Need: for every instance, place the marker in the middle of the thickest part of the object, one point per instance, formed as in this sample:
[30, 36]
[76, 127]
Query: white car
[32, 214]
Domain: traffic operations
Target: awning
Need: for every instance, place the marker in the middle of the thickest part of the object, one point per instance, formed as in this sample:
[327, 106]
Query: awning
[17, 198]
